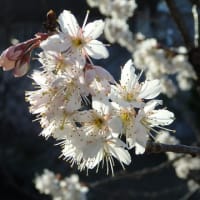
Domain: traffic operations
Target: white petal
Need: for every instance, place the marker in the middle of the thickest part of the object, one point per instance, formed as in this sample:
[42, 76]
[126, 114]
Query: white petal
[130, 135]
[117, 150]
[55, 43]
[74, 102]
[96, 49]
[101, 105]
[115, 125]
[84, 116]
[150, 89]
[151, 105]
[103, 74]
[161, 117]
[38, 77]
[128, 76]
[94, 29]
[77, 56]
[141, 139]
[46, 132]
[61, 134]
[68, 23]
[139, 149]
[114, 93]
[94, 144]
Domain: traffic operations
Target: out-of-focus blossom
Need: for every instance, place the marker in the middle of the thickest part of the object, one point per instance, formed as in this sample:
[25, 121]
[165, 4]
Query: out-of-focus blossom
[117, 31]
[68, 188]
[183, 164]
[121, 9]
[160, 63]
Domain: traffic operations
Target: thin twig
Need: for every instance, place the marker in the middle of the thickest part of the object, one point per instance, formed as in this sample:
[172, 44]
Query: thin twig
[175, 13]
[189, 195]
[135, 175]
[196, 25]
[153, 147]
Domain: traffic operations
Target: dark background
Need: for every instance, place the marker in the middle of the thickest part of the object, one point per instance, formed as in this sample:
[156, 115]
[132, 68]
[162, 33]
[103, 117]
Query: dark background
[23, 153]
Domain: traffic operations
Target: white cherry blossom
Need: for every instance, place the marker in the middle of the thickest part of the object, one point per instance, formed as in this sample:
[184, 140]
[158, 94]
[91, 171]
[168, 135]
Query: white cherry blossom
[79, 42]
[146, 121]
[87, 151]
[60, 63]
[130, 92]
[67, 188]
[55, 100]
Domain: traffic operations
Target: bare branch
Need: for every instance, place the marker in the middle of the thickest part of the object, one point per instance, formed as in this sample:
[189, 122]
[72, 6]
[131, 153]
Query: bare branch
[180, 23]
[153, 147]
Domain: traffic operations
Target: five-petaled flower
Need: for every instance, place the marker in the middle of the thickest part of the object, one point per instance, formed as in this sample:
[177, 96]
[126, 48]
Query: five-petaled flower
[78, 42]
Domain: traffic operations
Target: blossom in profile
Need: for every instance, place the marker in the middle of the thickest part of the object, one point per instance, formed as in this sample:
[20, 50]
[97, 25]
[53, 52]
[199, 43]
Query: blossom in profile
[79, 42]
[89, 150]
[17, 57]
[149, 120]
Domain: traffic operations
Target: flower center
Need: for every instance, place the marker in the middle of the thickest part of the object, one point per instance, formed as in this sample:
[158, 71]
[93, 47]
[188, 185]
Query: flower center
[78, 42]
[99, 123]
[129, 97]
[127, 116]
[60, 65]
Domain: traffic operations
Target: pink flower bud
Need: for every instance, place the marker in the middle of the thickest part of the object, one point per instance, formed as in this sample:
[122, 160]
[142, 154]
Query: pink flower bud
[17, 57]
[22, 66]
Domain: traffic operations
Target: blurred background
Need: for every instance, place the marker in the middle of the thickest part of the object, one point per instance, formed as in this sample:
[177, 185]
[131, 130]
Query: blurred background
[23, 153]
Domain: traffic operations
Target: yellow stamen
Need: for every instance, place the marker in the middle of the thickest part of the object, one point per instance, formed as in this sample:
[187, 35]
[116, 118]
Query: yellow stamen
[127, 117]
[99, 122]
[129, 97]
[77, 42]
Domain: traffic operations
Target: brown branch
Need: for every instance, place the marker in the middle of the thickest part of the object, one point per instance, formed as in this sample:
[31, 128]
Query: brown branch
[175, 13]
[153, 147]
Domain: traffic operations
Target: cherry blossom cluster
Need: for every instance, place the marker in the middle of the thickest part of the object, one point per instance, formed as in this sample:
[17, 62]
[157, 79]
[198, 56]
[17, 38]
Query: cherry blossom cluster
[67, 188]
[95, 119]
